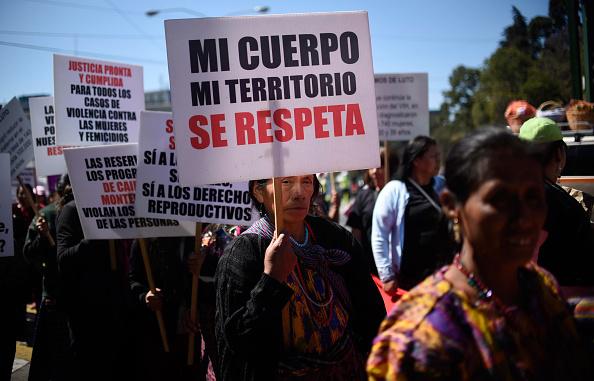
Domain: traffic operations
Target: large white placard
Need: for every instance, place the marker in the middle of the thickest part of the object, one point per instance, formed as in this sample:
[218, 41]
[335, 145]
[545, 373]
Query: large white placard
[96, 102]
[49, 158]
[402, 105]
[15, 136]
[103, 179]
[159, 194]
[6, 234]
[264, 96]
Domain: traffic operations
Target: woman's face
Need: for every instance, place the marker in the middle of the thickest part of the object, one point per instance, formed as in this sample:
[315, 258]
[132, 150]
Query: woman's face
[378, 177]
[502, 218]
[429, 162]
[296, 197]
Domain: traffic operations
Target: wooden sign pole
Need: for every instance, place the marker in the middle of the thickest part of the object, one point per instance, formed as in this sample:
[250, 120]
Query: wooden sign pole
[112, 255]
[278, 210]
[386, 161]
[194, 299]
[151, 282]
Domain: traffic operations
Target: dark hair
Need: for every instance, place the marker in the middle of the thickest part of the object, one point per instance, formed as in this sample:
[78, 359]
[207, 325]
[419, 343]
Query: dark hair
[545, 152]
[414, 149]
[254, 183]
[62, 183]
[467, 164]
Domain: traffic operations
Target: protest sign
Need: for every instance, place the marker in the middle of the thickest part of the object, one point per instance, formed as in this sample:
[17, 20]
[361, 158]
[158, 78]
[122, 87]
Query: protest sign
[252, 98]
[15, 136]
[159, 194]
[49, 158]
[6, 235]
[402, 105]
[103, 179]
[96, 102]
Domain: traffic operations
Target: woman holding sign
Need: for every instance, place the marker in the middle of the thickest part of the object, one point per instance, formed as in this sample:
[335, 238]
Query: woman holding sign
[298, 306]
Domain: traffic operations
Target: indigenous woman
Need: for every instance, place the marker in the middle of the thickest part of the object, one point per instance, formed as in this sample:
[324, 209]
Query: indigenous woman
[492, 314]
[298, 306]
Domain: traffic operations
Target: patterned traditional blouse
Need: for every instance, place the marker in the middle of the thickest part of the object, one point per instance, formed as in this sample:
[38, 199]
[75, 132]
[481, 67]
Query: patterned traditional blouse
[436, 332]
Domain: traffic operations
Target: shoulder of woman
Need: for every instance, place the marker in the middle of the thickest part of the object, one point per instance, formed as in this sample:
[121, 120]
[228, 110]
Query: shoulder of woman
[415, 322]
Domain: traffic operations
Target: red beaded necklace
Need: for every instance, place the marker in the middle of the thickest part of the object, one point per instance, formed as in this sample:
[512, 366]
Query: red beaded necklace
[485, 294]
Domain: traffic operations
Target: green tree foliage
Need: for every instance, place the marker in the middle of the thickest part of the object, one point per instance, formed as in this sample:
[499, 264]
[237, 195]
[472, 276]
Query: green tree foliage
[530, 63]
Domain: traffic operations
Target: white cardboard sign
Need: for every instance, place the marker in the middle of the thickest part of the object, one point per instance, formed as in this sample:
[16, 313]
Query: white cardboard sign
[264, 96]
[159, 194]
[15, 136]
[6, 234]
[49, 157]
[103, 179]
[96, 102]
[402, 105]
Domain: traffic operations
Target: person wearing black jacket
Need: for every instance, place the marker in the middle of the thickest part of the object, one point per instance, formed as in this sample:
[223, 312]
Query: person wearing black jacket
[95, 299]
[301, 305]
[51, 349]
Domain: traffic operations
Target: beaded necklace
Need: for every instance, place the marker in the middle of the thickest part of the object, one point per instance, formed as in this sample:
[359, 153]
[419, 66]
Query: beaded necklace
[485, 294]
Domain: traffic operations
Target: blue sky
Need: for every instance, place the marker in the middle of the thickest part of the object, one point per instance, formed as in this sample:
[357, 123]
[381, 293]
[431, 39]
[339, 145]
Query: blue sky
[431, 36]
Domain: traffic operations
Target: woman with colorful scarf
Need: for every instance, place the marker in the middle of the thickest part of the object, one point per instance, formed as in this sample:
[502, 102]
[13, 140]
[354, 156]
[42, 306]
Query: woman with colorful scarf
[300, 306]
[492, 314]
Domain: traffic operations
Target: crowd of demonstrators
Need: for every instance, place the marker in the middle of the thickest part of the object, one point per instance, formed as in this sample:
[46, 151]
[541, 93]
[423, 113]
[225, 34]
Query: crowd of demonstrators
[303, 305]
[51, 356]
[300, 305]
[492, 313]
[568, 250]
[409, 236]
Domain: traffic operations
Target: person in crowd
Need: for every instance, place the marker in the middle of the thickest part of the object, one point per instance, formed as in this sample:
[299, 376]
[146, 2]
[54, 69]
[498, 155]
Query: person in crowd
[300, 305]
[492, 314]
[95, 299]
[169, 257]
[568, 251]
[409, 235]
[15, 294]
[516, 113]
[215, 239]
[361, 212]
[51, 348]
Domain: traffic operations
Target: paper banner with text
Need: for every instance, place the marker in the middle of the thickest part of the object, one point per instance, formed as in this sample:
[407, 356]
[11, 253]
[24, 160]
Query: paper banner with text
[96, 102]
[402, 105]
[15, 136]
[159, 194]
[49, 158]
[6, 235]
[280, 95]
[103, 179]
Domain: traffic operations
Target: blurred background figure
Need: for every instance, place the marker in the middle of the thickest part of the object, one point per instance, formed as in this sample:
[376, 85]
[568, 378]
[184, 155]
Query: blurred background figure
[361, 211]
[51, 358]
[568, 251]
[517, 112]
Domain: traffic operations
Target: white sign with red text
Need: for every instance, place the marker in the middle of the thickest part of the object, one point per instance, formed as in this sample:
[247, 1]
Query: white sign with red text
[15, 136]
[402, 105]
[96, 102]
[159, 194]
[6, 234]
[264, 96]
[49, 158]
[103, 180]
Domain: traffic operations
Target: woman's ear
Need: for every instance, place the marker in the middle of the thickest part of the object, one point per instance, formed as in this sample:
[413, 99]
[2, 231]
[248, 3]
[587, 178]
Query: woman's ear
[561, 158]
[448, 204]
